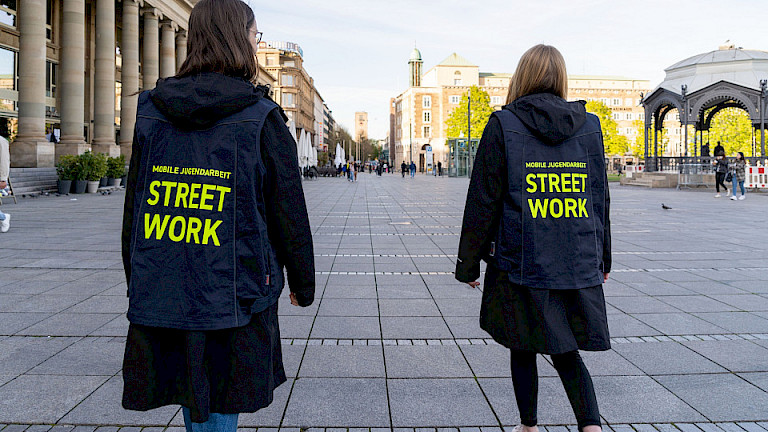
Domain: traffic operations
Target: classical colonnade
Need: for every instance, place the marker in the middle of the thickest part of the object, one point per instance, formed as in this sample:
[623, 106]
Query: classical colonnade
[31, 149]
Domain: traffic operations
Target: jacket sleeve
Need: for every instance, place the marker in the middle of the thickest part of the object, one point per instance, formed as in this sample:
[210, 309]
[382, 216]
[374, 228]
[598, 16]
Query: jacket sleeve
[607, 259]
[287, 218]
[130, 191]
[482, 211]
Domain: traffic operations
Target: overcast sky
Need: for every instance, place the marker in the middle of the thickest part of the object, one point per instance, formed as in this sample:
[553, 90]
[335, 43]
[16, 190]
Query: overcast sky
[357, 50]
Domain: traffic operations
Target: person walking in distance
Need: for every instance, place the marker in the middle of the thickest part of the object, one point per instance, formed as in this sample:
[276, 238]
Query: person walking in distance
[738, 171]
[413, 169]
[403, 168]
[5, 170]
[537, 298]
[205, 269]
[719, 150]
[439, 168]
[721, 169]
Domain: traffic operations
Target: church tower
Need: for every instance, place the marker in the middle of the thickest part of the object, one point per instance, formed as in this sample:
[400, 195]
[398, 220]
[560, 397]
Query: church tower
[414, 66]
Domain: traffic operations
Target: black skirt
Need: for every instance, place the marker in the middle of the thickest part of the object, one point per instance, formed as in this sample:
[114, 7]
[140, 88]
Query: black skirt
[221, 371]
[541, 320]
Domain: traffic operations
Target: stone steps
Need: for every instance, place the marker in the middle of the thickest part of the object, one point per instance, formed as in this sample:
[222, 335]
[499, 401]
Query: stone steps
[33, 180]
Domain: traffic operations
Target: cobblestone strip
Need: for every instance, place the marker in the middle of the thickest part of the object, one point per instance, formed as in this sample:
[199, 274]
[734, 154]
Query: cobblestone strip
[489, 341]
[635, 427]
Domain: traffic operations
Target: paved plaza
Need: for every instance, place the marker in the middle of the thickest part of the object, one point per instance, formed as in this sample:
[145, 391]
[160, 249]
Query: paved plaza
[393, 341]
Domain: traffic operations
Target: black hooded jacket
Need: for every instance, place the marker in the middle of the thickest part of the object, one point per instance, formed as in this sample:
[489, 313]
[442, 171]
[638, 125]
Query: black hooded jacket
[538, 202]
[214, 207]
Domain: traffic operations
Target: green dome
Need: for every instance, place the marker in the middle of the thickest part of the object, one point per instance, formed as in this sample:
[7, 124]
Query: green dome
[415, 55]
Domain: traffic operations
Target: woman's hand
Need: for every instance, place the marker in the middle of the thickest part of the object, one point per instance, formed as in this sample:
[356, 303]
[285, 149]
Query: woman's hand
[605, 277]
[293, 300]
[474, 284]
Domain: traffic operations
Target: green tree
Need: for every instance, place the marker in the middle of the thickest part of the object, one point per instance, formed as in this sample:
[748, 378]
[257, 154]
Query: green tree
[733, 128]
[481, 112]
[614, 143]
[637, 148]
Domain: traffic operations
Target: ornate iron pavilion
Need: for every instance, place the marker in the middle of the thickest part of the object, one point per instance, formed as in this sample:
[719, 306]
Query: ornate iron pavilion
[701, 86]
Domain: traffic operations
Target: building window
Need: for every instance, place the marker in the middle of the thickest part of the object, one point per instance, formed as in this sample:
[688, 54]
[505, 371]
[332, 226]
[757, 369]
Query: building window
[641, 116]
[495, 100]
[425, 131]
[616, 102]
[8, 12]
[286, 80]
[454, 99]
[289, 100]
[616, 116]
[289, 63]
[49, 20]
[50, 79]
[629, 116]
[605, 101]
[270, 61]
[427, 117]
[8, 77]
[426, 102]
[457, 78]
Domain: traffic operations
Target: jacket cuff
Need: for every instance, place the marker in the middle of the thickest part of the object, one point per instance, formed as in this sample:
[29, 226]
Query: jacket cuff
[305, 297]
[467, 272]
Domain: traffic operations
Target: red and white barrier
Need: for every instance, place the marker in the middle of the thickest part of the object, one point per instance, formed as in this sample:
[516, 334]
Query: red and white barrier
[631, 169]
[756, 177]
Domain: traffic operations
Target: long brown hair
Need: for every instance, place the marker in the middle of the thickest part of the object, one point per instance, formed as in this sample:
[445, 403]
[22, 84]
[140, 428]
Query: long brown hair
[541, 70]
[219, 40]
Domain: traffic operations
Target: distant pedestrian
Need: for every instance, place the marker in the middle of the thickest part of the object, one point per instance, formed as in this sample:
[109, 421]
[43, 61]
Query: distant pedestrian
[413, 169]
[440, 168]
[721, 169]
[719, 150]
[546, 264]
[203, 290]
[403, 168]
[738, 171]
[5, 169]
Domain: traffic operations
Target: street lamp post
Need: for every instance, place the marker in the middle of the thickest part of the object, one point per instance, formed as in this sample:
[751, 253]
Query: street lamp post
[469, 131]
[763, 94]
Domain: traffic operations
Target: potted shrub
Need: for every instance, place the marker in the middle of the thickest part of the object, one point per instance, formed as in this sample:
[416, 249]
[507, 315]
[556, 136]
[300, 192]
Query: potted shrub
[94, 167]
[78, 175]
[115, 170]
[66, 169]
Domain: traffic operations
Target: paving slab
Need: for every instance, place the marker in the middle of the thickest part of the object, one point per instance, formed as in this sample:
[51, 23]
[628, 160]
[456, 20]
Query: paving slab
[343, 362]
[430, 361]
[666, 358]
[444, 402]
[21, 400]
[334, 402]
[713, 396]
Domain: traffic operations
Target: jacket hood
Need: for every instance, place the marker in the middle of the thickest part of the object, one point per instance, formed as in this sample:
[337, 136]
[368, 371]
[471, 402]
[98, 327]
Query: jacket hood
[550, 118]
[199, 101]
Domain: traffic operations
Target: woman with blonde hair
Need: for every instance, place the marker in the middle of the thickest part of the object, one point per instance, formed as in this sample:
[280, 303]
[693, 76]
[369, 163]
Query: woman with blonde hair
[537, 212]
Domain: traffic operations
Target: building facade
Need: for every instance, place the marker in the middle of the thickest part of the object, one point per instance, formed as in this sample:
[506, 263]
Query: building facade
[418, 115]
[73, 68]
[294, 89]
[329, 126]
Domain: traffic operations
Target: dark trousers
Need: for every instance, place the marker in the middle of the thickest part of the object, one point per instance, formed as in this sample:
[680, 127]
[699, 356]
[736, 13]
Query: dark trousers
[574, 376]
[720, 181]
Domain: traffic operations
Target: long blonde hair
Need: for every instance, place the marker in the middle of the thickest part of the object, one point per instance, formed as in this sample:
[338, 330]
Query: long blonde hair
[541, 70]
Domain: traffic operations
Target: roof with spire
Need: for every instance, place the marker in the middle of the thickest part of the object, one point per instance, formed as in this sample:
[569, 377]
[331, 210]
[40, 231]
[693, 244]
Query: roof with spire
[455, 60]
[415, 55]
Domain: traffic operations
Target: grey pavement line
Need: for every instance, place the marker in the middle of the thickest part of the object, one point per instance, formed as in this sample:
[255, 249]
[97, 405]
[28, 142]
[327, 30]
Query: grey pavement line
[660, 270]
[385, 234]
[619, 427]
[388, 255]
[489, 341]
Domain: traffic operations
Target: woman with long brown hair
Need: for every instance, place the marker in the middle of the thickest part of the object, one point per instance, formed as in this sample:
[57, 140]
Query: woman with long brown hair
[537, 212]
[214, 212]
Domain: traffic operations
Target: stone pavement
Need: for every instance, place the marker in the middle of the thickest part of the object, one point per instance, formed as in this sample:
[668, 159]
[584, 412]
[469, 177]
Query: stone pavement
[393, 340]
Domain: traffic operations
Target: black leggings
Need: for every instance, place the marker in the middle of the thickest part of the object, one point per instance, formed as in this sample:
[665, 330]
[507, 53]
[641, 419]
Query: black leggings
[719, 178]
[576, 380]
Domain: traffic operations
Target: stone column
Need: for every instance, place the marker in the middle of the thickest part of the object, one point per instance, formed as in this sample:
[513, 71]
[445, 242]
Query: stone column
[72, 79]
[31, 149]
[181, 48]
[104, 80]
[129, 48]
[168, 49]
[150, 62]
